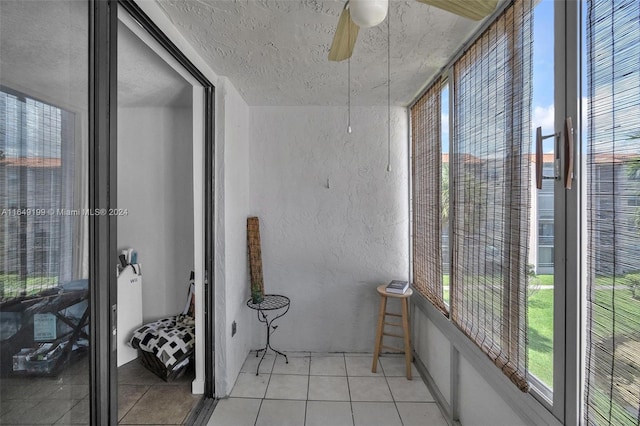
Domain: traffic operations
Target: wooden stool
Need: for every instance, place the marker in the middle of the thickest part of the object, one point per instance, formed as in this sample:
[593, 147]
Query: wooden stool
[404, 301]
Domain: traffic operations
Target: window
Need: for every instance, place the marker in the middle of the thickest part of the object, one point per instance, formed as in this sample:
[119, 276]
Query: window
[545, 233]
[545, 203]
[583, 240]
[36, 184]
[444, 182]
[612, 377]
[474, 194]
[541, 295]
[491, 190]
[545, 257]
[430, 197]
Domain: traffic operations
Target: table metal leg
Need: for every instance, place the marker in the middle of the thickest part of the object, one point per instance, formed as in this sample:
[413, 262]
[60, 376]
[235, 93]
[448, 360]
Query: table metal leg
[268, 345]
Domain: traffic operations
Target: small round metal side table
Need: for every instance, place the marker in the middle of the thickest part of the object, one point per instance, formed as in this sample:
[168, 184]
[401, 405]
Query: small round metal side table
[273, 304]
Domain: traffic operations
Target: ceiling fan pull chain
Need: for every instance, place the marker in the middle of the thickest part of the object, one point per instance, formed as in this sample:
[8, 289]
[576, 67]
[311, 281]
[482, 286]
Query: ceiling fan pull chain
[349, 87]
[388, 93]
[349, 95]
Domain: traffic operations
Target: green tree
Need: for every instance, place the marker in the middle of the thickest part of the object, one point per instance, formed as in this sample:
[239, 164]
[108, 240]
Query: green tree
[474, 209]
[444, 188]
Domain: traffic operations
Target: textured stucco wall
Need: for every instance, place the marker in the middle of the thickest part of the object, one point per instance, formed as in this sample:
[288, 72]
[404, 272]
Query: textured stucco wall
[232, 209]
[327, 248]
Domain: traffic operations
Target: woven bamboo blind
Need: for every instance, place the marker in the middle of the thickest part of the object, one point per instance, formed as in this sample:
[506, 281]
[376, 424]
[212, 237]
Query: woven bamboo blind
[37, 167]
[490, 189]
[612, 385]
[426, 169]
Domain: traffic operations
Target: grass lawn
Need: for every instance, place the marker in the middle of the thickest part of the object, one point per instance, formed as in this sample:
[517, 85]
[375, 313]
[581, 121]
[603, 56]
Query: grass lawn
[545, 279]
[626, 328]
[11, 285]
[540, 328]
[617, 312]
[541, 336]
[445, 290]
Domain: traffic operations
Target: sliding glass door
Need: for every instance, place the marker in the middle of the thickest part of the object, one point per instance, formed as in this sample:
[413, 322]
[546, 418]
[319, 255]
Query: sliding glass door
[44, 240]
[57, 248]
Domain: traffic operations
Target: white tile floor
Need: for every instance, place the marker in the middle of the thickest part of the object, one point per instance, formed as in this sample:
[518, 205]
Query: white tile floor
[327, 389]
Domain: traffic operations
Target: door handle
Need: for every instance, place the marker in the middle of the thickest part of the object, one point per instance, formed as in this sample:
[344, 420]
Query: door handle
[568, 152]
[540, 156]
[114, 327]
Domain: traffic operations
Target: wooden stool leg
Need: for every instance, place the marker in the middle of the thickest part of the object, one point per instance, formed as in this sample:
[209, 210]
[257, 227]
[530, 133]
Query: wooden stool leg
[376, 351]
[407, 341]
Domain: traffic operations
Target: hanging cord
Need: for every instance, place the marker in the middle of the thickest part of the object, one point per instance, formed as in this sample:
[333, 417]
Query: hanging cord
[349, 83]
[349, 95]
[388, 92]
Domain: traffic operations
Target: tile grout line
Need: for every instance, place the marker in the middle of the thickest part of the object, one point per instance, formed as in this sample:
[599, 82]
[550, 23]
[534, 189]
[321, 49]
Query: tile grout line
[393, 398]
[255, 422]
[66, 412]
[135, 403]
[306, 404]
[266, 388]
[353, 418]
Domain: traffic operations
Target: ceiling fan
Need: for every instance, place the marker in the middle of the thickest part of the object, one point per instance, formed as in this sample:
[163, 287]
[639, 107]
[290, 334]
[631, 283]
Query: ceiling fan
[369, 13]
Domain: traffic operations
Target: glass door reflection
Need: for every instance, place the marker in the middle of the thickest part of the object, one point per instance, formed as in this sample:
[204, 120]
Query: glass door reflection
[44, 291]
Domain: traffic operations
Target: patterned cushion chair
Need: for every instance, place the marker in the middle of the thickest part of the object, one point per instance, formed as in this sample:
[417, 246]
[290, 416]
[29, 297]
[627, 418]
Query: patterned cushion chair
[166, 346]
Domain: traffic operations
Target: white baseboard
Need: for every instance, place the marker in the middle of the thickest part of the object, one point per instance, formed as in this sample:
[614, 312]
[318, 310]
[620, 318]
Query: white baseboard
[197, 387]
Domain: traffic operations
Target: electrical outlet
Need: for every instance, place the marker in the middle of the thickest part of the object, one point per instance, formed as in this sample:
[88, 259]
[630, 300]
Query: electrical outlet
[234, 328]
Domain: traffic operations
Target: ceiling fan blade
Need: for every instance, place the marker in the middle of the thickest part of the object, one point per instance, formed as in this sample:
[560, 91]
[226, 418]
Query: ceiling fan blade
[345, 37]
[476, 9]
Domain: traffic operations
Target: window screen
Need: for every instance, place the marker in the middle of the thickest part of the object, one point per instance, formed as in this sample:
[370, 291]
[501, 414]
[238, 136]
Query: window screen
[612, 379]
[427, 203]
[491, 189]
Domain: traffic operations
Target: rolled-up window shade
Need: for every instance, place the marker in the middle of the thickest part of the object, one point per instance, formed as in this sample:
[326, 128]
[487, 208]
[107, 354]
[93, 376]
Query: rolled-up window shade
[36, 172]
[426, 179]
[491, 190]
[612, 376]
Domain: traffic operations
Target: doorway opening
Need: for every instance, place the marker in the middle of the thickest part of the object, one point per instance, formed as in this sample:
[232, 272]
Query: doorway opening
[165, 121]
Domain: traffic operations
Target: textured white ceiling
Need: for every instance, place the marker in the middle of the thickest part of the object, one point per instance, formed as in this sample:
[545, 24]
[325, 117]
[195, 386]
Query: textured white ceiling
[145, 79]
[44, 60]
[50, 61]
[275, 51]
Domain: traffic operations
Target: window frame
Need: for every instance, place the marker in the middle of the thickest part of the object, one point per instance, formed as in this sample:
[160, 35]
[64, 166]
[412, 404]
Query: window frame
[569, 298]
[564, 404]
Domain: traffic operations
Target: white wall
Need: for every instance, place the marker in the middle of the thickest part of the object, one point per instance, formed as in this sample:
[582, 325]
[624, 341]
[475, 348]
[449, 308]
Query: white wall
[483, 395]
[327, 248]
[232, 209]
[479, 404]
[155, 185]
[434, 351]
